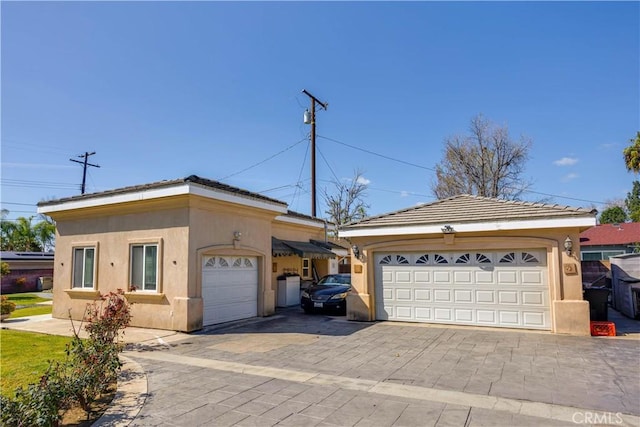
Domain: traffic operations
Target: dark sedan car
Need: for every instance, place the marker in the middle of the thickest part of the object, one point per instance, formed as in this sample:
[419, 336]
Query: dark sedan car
[329, 294]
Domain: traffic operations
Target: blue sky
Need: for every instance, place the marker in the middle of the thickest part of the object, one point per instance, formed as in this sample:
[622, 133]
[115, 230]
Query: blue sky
[163, 90]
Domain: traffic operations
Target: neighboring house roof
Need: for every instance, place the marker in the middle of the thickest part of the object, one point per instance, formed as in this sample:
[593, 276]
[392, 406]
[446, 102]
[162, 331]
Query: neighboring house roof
[155, 190]
[26, 256]
[466, 213]
[302, 249]
[611, 234]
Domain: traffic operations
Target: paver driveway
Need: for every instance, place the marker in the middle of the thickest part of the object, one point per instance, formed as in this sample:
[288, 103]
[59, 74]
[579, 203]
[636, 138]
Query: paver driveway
[296, 369]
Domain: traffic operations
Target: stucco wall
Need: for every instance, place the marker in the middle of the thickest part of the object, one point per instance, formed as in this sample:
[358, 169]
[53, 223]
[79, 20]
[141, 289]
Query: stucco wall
[187, 228]
[564, 279]
[112, 234]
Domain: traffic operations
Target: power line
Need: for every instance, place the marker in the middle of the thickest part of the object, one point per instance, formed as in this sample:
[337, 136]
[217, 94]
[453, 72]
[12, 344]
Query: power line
[18, 204]
[39, 184]
[298, 183]
[328, 165]
[262, 161]
[377, 154]
[563, 197]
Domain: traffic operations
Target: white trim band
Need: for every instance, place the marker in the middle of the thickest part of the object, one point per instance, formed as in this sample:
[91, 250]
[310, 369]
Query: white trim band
[157, 193]
[469, 227]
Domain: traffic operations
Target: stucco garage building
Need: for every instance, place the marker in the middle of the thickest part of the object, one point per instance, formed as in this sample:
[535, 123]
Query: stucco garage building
[197, 252]
[472, 261]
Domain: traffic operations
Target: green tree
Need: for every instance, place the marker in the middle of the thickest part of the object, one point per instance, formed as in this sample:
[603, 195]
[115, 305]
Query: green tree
[632, 202]
[21, 235]
[612, 215]
[346, 203]
[487, 162]
[632, 155]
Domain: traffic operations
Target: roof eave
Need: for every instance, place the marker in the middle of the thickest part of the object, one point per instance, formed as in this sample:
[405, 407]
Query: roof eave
[413, 229]
[184, 188]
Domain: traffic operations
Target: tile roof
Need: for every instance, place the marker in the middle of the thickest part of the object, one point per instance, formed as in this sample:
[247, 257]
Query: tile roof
[465, 208]
[611, 234]
[215, 185]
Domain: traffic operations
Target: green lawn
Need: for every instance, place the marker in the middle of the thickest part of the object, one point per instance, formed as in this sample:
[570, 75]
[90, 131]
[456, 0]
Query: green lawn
[25, 299]
[24, 357]
[31, 311]
[28, 304]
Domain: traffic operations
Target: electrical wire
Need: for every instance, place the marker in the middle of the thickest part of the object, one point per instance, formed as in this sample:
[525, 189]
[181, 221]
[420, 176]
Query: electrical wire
[327, 163]
[299, 182]
[377, 154]
[262, 161]
[38, 184]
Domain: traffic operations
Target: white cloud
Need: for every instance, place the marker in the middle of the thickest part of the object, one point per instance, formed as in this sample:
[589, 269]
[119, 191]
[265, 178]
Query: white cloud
[570, 177]
[608, 145]
[404, 193]
[363, 180]
[566, 161]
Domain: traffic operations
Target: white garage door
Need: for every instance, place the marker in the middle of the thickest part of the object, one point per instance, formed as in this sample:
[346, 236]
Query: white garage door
[229, 288]
[506, 288]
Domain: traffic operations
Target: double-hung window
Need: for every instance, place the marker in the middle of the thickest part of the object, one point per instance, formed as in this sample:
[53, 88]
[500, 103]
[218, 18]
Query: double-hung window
[84, 267]
[144, 267]
[306, 268]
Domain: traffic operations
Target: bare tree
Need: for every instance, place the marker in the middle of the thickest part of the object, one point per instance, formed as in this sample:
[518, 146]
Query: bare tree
[346, 203]
[487, 162]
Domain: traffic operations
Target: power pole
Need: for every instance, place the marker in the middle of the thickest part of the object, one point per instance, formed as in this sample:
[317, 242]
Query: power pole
[324, 105]
[84, 170]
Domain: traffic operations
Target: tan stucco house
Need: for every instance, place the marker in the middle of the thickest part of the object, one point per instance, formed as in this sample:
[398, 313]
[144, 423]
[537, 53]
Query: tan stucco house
[470, 260]
[189, 252]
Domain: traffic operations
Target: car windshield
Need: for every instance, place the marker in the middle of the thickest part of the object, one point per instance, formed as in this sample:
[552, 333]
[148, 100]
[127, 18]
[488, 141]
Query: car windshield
[334, 280]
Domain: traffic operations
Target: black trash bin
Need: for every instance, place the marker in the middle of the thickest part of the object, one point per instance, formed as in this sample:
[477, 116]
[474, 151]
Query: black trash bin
[598, 303]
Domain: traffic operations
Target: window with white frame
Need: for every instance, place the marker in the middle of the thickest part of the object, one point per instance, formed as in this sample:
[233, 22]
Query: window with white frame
[599, 255]
[84, 267]
[144, 267]
[306, 267]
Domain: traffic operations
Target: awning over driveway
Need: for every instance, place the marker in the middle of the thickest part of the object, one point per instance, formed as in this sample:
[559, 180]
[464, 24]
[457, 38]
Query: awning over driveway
[301, 249]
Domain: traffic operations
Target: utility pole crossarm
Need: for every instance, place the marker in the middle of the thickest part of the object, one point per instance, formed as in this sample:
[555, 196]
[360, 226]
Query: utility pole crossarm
[84, 170]
[323, 104]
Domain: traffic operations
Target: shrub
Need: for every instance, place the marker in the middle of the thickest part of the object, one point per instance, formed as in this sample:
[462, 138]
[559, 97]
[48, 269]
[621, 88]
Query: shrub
[6, 306]
[95, 362]
[90, 366]
[21, 281]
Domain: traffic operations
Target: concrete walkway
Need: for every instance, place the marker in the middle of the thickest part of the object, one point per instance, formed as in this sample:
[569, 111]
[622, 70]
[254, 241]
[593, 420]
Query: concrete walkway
[296, 369]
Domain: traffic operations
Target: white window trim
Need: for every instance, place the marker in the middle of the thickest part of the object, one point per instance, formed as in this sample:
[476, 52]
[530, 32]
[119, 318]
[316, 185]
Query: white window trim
[309, 268]
[160, 254]
[84, 245]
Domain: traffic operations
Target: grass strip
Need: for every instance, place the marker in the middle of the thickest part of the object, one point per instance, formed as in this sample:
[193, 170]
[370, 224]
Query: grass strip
[24, 357]
[35, 310]
[26, 299]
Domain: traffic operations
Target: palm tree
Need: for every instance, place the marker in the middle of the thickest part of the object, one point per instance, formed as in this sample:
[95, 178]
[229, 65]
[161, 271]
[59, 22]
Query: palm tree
[20, 235]
[632, 155]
